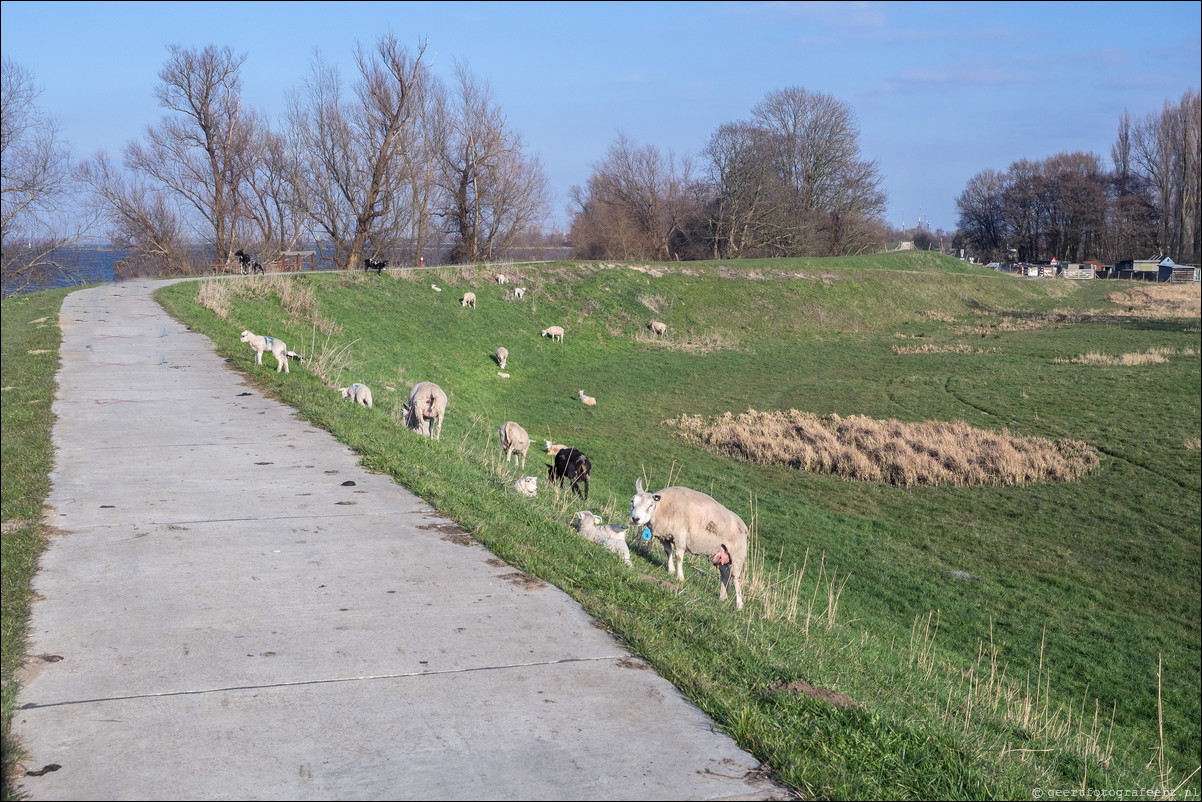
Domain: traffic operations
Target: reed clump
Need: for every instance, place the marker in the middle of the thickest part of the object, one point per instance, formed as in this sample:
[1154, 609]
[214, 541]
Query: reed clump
[935, 453]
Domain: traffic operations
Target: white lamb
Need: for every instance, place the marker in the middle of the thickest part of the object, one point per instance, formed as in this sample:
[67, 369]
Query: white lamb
[612, 537]
[657, 328]
[469, 299]
[260, 344]
[527, 486]
[502, 357]
[588, 400]
[514, 440]
[519, 292]
[359, 393]
[554, 448]
[554, 332]
[500, 278]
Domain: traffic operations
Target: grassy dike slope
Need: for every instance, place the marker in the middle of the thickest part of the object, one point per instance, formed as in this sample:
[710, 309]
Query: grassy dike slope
[1073, 591]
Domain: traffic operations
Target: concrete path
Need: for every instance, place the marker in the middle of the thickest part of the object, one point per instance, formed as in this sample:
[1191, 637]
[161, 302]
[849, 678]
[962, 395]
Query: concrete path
[234, 609]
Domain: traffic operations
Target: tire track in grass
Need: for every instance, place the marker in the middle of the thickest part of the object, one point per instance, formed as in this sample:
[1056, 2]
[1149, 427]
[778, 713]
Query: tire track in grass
[1110, 452]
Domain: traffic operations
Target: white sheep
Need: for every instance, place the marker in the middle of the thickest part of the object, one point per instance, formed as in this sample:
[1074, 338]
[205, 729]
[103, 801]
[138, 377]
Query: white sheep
[359, 393]
[500, 278]
[554, 448]
[502, 357]
[554, 332]
[514, 440]
[469, 299]
[657, 328]
[260, 344]
[612, 537]
[588, 400]
[519, 292]
[527, 486]
[427, 403]
[686, 520]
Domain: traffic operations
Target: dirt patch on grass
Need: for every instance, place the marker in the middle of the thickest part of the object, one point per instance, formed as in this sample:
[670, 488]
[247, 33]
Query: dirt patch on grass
[1169, 300]
[935, 453]
[799, 687]
[524, 581]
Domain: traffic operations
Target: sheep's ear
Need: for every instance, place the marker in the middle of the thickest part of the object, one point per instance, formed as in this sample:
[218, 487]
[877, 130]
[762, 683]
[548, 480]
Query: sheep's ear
[638, 485]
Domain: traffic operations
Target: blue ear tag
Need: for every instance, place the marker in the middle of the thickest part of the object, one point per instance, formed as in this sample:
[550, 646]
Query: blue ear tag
[646, 533]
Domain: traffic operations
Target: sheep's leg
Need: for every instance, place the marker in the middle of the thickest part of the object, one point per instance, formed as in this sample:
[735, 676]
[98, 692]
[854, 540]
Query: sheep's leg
[724, 576]
[680, 550]
[669, 552]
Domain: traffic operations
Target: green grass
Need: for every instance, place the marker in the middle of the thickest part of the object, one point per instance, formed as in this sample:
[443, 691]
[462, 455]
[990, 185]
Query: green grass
[1081, 587]
[30, 339]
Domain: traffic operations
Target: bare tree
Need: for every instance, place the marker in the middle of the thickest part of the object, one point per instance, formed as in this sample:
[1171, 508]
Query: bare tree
[352, 164]
[143, 220]
[39, 219]
[982, 213]
[201, 151]
[637, 203]
[493, 192]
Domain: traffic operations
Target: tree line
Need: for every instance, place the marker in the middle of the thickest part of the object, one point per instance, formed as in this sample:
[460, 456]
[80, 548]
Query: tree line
[790, 181]
[383, 166]
[1146, 203]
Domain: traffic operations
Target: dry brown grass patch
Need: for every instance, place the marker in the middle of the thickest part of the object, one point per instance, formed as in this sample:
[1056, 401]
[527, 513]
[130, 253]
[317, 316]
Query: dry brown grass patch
[889, 451]
[932, 348]
[1153, 356]
[694, 343]
[1167, 300]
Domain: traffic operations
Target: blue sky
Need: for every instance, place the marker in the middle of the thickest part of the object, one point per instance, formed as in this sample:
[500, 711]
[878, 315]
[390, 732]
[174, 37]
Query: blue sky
[941, 91]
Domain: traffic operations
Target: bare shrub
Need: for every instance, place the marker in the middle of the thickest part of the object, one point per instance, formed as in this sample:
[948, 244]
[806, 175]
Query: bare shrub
[889, 451]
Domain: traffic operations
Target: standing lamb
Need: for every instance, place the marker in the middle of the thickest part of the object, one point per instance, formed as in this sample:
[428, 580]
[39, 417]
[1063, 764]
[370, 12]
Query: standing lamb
[359, 393]
[514, 440]
[657, 328]
[502, 357]
[500, 278]
[612, 537]
[554, 332]
[685, 520]
[573, 465]
[427, 403]
[519, 292]
[469, 299]
[261, 344]
[587, 400]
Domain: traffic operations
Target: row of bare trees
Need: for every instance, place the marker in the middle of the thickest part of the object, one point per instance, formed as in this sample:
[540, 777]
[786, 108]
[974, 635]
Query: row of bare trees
[384, 167]
[788, 182]
[1070, 206]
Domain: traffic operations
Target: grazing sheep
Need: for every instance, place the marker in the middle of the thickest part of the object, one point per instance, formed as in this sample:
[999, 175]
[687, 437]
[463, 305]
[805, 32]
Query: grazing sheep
[612, 537]
[436, 288]
[514, 440]
[588, 400]
[277, 348]
[657, 328]
[359, 393]
[573, 465]
[502, 357]
[500, 278]
[554, 448]
[519, 292]
[555, 333]
[527, 486]
[686, 520]
[427, 403]
[469, 299]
